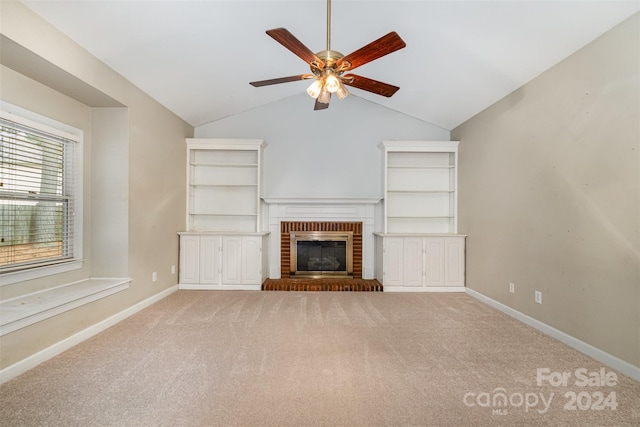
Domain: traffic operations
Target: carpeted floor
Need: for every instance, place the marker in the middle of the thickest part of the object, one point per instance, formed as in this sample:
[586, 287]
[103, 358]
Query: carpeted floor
[209, 358]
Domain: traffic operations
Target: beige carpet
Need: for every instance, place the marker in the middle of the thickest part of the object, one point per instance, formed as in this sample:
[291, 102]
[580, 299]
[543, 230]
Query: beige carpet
[207, 358]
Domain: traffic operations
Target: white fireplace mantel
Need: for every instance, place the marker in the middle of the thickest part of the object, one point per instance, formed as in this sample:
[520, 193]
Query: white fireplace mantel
[365, 210]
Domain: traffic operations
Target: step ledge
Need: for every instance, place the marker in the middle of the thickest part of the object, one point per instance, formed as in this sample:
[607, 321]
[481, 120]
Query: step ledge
[25, 310]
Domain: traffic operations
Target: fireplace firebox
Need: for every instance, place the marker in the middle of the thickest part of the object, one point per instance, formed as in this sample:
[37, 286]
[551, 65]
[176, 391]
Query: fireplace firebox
[321, 254]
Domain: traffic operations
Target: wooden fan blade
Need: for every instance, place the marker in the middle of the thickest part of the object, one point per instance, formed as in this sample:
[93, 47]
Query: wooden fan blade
[288, 40]
[374, 50]
[320, 106]
[370, 85]
[281, 80]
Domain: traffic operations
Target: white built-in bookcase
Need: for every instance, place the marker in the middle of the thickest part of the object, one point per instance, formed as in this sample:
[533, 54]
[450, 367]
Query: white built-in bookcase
[224, 184]
[420, 186]
[222, 247]
[420, 250]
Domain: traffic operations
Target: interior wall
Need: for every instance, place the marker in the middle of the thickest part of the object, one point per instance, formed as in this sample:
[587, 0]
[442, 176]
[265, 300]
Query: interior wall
[157, 196]
[330, 153]
[110, 192]
[550, 195]
[146, 167]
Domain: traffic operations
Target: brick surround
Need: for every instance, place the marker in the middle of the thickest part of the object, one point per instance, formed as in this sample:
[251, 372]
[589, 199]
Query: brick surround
[287, 227]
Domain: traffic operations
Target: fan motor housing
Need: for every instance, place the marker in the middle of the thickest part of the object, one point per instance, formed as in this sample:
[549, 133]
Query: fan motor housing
[330, 57]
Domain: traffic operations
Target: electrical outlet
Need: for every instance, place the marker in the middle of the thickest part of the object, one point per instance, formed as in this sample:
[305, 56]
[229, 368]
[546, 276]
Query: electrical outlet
[538, 297]
[512, 287]
[173, 269]
[154, 276]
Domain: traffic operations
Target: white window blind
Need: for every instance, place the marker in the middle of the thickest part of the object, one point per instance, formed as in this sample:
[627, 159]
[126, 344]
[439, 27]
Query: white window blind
[37, 195]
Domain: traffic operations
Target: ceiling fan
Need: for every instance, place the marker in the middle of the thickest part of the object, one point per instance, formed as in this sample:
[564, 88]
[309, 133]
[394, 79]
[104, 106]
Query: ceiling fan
[328, 67]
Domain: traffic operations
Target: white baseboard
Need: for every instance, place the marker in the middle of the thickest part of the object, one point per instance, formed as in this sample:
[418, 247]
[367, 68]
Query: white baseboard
[209, 287]
[423, 288]
[34, 360]
[613, 362]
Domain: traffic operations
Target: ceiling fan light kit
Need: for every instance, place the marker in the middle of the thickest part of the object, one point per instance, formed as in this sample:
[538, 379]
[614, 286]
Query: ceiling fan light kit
[315, 88]
[328, 66]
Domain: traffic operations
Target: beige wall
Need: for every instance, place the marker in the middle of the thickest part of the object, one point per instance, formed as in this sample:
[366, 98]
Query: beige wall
[550, 195]
[146, 164]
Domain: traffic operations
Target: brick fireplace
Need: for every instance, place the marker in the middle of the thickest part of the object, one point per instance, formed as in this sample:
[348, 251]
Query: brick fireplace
[356, 215]
[287, 227]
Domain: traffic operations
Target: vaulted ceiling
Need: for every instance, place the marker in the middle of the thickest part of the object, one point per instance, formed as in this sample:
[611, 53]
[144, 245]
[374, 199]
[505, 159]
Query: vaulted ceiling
[198, 57]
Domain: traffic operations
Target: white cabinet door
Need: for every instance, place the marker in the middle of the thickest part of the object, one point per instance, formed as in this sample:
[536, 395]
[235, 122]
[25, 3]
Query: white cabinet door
[222, 261]
[427, 263]
[434, 261]
[454, 261]
[251, 260]
[413, 262]
[189, 259]
[231, 260]
[393, 264]
[210, 247]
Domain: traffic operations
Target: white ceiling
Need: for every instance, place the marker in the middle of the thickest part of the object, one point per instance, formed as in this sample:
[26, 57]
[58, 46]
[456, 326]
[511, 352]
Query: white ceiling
[198, 57]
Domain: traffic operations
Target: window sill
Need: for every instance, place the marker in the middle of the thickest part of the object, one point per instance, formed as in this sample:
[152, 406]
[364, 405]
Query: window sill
[20, 312]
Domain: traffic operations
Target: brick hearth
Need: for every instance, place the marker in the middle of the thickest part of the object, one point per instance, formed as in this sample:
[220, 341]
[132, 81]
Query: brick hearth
[286, 227]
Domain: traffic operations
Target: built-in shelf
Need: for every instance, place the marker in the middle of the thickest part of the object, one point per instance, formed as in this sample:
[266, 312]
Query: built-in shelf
[420, 186]
[223, 184]
[222, 247]
[419, 250]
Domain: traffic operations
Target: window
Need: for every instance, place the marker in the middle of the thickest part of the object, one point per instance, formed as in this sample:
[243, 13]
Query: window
[39, 195]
